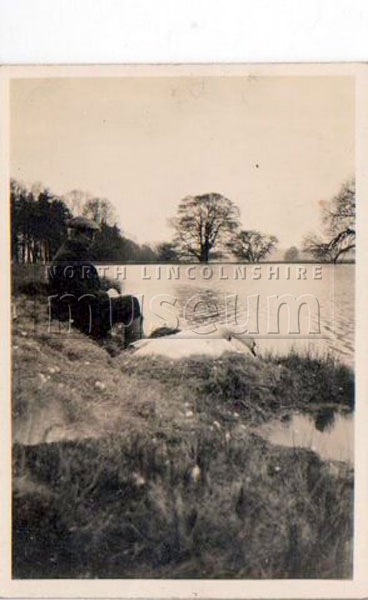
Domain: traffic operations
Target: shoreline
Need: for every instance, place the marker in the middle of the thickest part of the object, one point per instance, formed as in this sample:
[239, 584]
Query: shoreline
[180, 272]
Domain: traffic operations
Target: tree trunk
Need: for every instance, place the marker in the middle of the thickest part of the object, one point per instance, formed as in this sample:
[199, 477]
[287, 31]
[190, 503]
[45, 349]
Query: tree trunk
[205, 252]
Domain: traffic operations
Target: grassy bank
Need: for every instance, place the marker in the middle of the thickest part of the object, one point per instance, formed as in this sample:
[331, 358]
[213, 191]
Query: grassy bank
[127, 467]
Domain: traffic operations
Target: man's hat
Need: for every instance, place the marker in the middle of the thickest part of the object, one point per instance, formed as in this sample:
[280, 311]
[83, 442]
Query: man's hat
[83, 223]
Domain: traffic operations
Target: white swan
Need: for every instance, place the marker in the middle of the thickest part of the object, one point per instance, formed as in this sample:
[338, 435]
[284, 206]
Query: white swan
[188, 343]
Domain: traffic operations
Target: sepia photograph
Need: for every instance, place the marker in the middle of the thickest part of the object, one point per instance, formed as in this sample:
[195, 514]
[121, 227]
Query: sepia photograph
[183, 278]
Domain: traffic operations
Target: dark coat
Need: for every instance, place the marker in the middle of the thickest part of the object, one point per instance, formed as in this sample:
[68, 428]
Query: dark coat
[76, 293]
[72, 272]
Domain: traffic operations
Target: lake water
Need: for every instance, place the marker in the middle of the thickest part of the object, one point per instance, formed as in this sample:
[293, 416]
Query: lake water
[334, 441]
[195, 295]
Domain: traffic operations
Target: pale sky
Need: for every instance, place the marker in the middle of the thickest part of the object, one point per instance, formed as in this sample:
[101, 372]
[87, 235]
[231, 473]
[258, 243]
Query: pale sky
[146, 143]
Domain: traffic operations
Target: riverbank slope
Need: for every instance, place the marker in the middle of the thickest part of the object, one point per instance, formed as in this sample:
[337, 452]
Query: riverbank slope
[150, 467]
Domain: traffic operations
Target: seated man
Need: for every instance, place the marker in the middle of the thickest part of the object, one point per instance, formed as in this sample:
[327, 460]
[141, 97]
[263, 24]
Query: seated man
[76, 292]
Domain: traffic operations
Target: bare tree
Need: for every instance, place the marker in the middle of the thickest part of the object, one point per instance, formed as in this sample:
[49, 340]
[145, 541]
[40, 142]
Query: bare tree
[252, 246]
[100, 210]
[291, 254]
[316, 247]
[338, 216]
[339, 220]
[75, 200]
[167, 252]
[203, 223]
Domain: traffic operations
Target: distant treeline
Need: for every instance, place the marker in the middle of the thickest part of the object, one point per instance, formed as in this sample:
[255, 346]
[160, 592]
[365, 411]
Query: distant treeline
[207, 227]
[39, 221]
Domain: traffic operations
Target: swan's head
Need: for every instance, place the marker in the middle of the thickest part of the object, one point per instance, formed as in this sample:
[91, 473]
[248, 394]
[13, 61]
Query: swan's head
[249, 342]
[246, 340]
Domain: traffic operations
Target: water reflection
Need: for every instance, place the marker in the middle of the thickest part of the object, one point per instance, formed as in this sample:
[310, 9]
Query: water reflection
[324, 419]
[329, 434]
